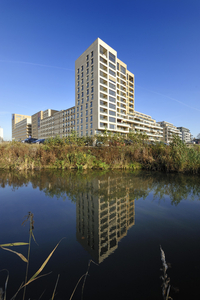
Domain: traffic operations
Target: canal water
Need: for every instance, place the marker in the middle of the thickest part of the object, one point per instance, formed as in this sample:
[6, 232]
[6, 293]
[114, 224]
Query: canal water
[115, 222]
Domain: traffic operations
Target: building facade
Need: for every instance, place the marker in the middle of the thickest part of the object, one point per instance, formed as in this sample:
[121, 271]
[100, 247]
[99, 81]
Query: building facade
[1, 134]
[186, 135]
[169, 130]
[21, 131]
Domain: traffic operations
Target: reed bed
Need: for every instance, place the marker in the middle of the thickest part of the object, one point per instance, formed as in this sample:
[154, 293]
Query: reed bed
[60, 153]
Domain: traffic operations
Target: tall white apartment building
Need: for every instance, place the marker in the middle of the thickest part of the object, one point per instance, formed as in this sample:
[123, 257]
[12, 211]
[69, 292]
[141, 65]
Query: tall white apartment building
[104, 90]
[186, 135]
[104, 95]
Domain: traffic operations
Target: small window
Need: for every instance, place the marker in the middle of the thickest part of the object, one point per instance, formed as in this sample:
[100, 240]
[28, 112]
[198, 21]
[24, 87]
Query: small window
[81, 120]
[82, 88]
[82, 81]
[87, 91]
[90, 104]
[92, 68]
[77, 121]
[92, 89]
[92, 96]
[87, 77]
[87, 57]
[82, 94]
[78, 96]
[112, 57]
[77, 71]
[87, 65]
[77, 127]
[87, 71]
[87, 98]
[82, 75]
[87, 84]
[77, 115]
[81, 133]
[86, 112]
[82, 68]
[81, 114]
[91, 61]
[92, 82]
[90, 118]
[81, 127]
[78, 90]
[91, 132]
[78, 102]
[92, 75]
[92, 54]
[78, 77]
[82, 101]
[86, 119]
[86, 126]
[81, 107]
[91, 111]
[91, 125]
[78, 83]
[86, 106]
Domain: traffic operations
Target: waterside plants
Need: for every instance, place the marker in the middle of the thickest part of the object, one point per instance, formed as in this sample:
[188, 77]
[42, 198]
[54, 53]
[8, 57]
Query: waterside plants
[112, 152]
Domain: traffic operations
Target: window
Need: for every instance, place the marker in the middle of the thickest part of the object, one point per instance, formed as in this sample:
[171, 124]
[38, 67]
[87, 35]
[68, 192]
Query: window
[82, 88]
[77, 115]
[117, 66]
[86, 112]
[92, 54]
[92, 81]
[111, 119]
[81, 121]
[82, 75]
[112, 113]
[78, 90]
[91, 111]
[112, 106]
[87, 84]
[112, 99]
[111, 57]
[81, 133]
[77, 121]
[86, 120]
[87, 91]
[86, 132]
[92, 75]
[92, 96]
[81, 107]
[77, 109]
[90, 132]
[78, 77]
[82, 68]
[90, 118]
[87, 77]
[92, 68]
[112, 126]
[82, 100]
[92, 89]
[81, 81]
[90, 104]
[78, 96]
[86, 126]
[78, 83]
[123, 70]
[78, 102]
[92, 61]
[82, 94]
[112, 86]
[87, 98]
[86, 106]
[90, 125]
[111, 73]
[87, 57]
[112, 66]
[77, 71]
[87, 65]
[77, 127]
[112, 93]
[81, 114]
[87, 71]
[81, 127]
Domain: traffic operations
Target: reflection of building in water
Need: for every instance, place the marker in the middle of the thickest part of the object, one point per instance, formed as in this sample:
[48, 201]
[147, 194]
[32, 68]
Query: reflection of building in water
[103, 217]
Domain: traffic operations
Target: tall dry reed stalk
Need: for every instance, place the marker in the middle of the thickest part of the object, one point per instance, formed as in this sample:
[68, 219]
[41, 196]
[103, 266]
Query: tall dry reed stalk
[165, 279]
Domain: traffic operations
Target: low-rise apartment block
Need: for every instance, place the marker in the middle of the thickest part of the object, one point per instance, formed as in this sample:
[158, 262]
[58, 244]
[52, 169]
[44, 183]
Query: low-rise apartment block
[186, 135]
[169, 130]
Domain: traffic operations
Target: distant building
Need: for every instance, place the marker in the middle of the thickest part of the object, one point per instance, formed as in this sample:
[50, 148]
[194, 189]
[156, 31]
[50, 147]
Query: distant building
[168, 131]
[23, 130]
[1, 134]
[36, 123]
[186, 135]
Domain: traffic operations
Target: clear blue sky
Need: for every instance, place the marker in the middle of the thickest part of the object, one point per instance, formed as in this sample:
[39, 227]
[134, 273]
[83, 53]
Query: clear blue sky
[159, 40]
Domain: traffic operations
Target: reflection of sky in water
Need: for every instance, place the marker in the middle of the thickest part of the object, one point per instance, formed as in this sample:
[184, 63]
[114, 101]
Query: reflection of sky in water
[131, 270]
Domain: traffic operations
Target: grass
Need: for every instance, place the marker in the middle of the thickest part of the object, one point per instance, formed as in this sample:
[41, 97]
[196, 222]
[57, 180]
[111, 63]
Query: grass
[70, 153]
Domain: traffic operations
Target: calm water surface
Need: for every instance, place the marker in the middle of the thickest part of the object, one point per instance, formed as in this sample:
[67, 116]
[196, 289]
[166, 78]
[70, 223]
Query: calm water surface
[117, 219]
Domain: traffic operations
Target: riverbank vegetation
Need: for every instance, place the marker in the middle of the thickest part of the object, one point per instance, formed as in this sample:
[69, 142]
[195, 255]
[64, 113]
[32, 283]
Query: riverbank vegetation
[112, 152]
